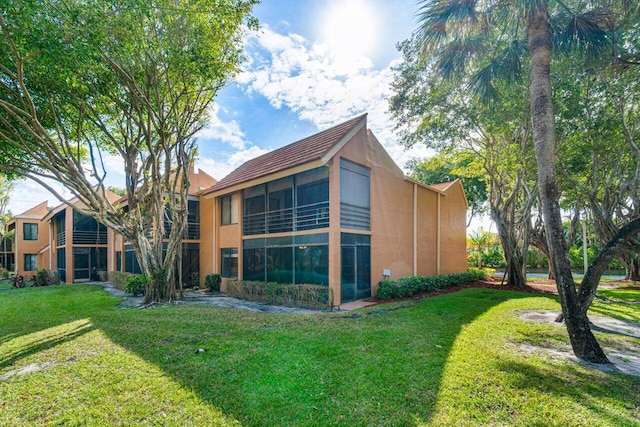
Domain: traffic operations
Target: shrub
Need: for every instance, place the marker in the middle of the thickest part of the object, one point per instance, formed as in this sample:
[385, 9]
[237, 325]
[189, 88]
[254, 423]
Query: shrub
[408, 286]
[46, 278]
[119, 279]
[136, 284]
[212, 282]
[4, 273]
[303, 295]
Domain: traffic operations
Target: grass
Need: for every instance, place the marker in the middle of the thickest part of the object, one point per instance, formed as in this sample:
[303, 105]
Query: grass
[69, 356]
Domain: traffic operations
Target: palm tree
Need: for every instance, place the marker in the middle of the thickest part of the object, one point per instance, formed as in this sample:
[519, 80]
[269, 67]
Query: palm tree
[492, 39]
[480, 240]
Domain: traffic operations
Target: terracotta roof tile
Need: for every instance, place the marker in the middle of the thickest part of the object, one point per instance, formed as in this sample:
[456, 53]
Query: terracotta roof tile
[306, 150]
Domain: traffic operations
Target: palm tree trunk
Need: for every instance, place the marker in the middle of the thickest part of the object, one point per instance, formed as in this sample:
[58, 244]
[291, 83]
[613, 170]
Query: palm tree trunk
[584, 344]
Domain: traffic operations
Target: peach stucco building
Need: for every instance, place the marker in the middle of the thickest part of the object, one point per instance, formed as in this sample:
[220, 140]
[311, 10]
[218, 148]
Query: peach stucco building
[332, 209]
[29, 251]
[80, 247]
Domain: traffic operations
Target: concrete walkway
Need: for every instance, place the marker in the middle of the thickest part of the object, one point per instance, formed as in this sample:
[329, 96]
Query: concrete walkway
[192, 297]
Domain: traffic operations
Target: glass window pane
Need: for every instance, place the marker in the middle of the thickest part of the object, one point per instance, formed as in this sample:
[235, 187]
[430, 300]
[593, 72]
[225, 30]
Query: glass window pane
[280, 265]
[253, 263]
[229, 262]
[312, 265]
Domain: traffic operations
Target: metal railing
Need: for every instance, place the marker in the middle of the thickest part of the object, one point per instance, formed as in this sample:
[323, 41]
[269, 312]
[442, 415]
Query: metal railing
[306, 217]
[191, 231]
[61, 238]
[89, 237]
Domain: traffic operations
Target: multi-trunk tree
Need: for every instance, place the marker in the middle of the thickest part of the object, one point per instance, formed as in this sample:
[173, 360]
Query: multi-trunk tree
[81, 80]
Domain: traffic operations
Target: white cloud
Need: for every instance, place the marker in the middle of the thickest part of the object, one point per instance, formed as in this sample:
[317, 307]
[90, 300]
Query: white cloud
[27, 194]
[222, 166]
[294, 73]
[227, 132]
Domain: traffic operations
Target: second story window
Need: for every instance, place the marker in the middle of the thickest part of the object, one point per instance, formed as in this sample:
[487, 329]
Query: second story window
[30, 231]
[230, 209]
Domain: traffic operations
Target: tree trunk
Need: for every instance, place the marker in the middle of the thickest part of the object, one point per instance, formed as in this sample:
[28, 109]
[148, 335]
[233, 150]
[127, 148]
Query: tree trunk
[515, 263]
[631, 263]
[584, 344]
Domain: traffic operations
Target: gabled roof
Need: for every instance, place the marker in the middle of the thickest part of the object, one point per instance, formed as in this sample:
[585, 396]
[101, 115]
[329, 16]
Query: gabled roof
[320, 146]
[36, 212]
[443, 186]
[75, 202]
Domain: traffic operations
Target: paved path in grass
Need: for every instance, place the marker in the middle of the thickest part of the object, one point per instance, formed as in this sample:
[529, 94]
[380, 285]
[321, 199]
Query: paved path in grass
[623, 360]
[205, 298]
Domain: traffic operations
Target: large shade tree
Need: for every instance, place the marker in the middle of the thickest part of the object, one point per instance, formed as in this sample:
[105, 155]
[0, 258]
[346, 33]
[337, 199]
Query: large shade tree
[437, 109]
[485, 40]
[81, 80]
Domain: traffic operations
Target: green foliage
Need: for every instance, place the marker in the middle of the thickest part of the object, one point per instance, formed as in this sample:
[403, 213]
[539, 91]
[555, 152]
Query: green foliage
[313, 296]
[4, 273]
[451, 165]
[136, 284]
[46, 278]
[212, 282]
[119, 279]
[451, 360]
[408, 286]
[132, 78]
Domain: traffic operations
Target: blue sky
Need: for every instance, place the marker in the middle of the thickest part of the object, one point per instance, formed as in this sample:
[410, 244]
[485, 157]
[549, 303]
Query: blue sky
[311, 65]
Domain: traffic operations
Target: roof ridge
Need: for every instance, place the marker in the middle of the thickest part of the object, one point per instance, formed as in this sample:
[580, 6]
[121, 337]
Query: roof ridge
[307, 149]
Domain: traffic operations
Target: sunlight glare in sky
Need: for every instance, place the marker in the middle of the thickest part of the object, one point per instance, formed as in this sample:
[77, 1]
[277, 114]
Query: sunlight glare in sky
[349, 30]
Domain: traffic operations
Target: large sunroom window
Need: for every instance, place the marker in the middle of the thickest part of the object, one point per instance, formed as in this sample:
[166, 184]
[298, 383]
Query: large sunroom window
[294, 203]
[355, 196]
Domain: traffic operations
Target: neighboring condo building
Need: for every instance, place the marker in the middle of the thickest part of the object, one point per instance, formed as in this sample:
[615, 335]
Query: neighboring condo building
[79, 245]
[29, 243]
[331, 209]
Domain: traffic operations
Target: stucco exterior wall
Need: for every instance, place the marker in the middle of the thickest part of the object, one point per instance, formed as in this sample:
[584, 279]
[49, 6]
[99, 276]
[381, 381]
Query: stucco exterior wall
[23, 247]
[453, 225]
[391, 208]
[427, 231]
[207, 233]
[228, 237]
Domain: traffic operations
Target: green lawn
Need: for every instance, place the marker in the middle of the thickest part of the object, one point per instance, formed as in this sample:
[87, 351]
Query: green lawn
[69, 356]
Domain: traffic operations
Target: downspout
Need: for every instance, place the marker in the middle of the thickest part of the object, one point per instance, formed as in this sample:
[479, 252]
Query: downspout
[415, 229]
[438, 234]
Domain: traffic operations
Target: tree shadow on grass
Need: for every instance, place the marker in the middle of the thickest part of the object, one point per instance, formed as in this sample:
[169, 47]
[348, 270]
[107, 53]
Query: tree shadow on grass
[38, 319]
[582, 389]
[42, 340]
[381, 367]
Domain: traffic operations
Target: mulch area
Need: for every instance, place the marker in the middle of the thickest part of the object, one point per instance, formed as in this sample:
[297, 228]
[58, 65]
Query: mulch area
[542, 286]
[538, 287]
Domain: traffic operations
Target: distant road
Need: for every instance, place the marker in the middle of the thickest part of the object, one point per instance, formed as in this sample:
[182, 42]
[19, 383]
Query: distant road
[499, 274]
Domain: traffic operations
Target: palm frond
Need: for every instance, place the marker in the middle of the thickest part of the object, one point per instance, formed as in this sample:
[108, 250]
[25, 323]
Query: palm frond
[585, 31]
[440, 18]
[454, 57]
[482, 83]
[511, 60]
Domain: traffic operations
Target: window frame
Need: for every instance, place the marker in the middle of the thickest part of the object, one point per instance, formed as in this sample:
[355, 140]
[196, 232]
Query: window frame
[29, 235]
[28, 265]
[229, 203]
[226, 271]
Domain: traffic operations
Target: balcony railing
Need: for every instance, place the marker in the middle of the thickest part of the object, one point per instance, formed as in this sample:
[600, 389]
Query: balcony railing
[191, 231]
[89, 237]
[307, 217]
[61, 238]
